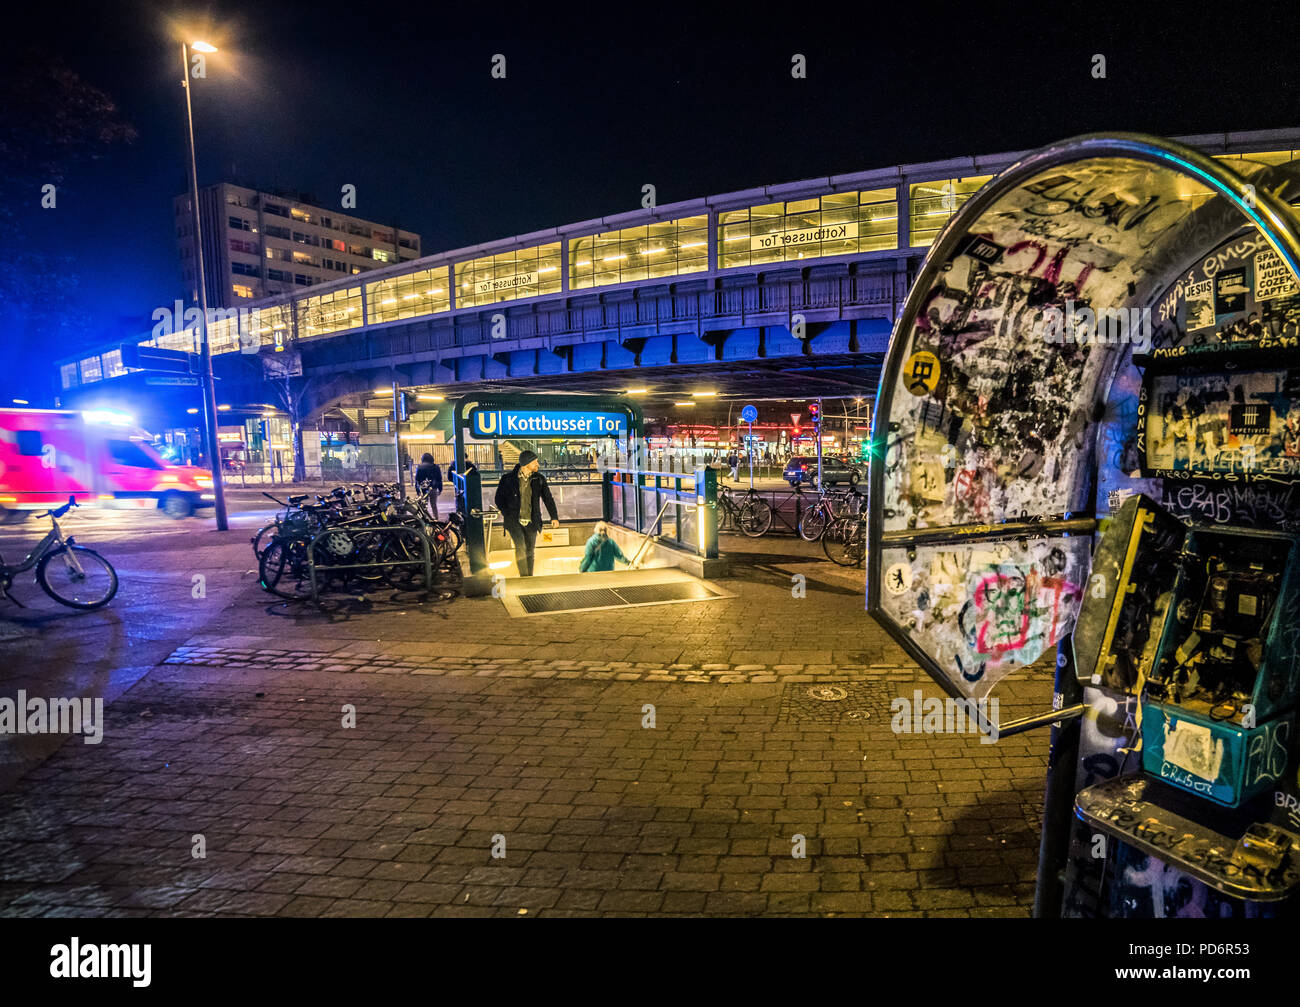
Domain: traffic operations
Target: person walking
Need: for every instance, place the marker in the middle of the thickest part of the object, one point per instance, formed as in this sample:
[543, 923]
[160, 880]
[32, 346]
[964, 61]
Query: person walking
[601, 551]
[733, 460]
[428, 481]
[519, 497]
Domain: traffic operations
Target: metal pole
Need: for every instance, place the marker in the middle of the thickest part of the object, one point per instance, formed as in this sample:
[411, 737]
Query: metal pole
[397, 441]
[205, 351]
[751, 456]
[817, 432]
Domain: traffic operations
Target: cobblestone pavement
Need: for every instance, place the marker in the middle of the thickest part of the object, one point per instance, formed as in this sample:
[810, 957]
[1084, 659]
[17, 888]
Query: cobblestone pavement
[598, 814]
[771, 722]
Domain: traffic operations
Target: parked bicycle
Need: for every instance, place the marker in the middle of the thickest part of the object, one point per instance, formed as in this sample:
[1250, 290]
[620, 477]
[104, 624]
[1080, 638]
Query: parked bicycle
[845, 540]
[356, 537]
[69, 573]
[746, 512]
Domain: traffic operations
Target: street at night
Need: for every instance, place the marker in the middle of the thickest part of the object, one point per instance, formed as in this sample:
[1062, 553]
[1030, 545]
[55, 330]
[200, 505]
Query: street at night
[660, 470]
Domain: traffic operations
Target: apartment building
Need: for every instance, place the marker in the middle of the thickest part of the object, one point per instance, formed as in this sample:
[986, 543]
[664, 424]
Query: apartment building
[258, 244]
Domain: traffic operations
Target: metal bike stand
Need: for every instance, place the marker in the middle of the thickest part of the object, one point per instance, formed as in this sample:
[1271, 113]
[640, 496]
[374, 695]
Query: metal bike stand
[426, 555]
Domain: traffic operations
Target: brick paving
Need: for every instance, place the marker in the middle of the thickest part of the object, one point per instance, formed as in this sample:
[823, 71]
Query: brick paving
[473, 729]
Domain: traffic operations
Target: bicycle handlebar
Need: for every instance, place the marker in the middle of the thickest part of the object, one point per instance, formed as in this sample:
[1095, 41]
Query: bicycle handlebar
[72, 502]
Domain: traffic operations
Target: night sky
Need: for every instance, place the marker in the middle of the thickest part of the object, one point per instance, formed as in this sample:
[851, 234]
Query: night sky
[401, 104]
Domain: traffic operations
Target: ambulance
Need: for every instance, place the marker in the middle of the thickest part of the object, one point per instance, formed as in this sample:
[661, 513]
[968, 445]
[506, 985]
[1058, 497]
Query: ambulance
[99, 457]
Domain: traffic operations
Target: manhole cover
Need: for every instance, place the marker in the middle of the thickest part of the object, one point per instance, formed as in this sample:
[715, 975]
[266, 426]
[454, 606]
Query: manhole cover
[860, 704]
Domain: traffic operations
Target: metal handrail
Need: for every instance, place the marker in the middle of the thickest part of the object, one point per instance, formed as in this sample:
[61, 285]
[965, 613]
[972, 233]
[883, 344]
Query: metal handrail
[646, 536]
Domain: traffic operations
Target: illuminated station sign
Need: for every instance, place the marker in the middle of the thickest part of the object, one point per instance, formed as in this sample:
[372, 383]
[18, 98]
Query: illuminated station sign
[495, 423]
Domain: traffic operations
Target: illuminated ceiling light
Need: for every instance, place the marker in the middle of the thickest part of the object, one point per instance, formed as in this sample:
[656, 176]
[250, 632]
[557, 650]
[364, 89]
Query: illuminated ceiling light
[389, 300]
[584, 262]
[191, 411]
[203, 47]
[408, 297]
[21, 402]
[613, 258]
[500, 564]
[223, 409]
[548, 269]
[636, 391]
[654, 251]
[683, 403]
[384, 391]
[701, 244]
[432, 398]
[702, 395]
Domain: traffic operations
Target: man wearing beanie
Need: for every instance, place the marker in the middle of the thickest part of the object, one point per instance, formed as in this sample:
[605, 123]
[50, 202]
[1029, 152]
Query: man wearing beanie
[520, 495]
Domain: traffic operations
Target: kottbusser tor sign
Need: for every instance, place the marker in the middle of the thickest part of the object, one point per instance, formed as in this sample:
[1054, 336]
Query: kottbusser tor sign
[493, 423]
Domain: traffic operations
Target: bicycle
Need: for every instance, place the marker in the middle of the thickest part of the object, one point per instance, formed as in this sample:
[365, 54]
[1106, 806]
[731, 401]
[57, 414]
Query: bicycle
[813, 521]
[361, 536]
[845, 540]
[69, 573]
[752, 516]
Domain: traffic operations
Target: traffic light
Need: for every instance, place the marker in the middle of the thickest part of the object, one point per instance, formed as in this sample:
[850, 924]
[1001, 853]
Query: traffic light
[815, 413]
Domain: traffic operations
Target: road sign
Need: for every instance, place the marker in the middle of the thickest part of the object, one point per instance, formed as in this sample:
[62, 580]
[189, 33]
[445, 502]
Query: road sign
[171, 379]
[749, 414]
[155, 358]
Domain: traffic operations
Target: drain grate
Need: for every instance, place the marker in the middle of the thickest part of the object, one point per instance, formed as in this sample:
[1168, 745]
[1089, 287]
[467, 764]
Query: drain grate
[855, 704]
[565, 601]
[608, 597]
[684, 590]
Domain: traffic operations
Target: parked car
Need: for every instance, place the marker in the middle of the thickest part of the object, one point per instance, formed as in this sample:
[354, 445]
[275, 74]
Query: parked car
[834, 470]
[49, 455]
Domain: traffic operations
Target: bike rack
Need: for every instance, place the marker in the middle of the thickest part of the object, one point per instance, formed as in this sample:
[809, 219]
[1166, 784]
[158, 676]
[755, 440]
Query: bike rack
[425, 560]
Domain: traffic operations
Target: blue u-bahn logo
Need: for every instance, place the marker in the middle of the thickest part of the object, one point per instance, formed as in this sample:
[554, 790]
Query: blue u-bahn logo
[493, 423]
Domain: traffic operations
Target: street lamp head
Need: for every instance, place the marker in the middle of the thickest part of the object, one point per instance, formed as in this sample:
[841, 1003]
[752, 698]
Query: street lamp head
[203, 47]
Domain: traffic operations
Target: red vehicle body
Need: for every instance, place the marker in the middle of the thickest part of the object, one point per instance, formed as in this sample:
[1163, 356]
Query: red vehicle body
[48, 455]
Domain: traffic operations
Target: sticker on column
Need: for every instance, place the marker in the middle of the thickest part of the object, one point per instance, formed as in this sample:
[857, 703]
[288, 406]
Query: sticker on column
[921, 372]
[898, 578]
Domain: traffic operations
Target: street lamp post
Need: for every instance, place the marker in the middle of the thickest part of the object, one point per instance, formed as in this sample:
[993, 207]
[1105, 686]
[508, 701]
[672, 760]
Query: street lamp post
[205, 350]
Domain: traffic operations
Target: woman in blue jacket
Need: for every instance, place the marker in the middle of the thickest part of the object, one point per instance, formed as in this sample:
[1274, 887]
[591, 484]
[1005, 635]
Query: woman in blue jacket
[601, 551]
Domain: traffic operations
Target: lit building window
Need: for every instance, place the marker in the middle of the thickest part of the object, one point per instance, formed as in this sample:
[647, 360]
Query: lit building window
[91, 370]
[932, 205]
[186, 339]
[331, 312]
[68, 375]
[839, 223]
[242, 290]
[258, 325]
[422, 293]
[381, 255]
[298, 214]
[528, 272]
[662, 248]
[113, 364]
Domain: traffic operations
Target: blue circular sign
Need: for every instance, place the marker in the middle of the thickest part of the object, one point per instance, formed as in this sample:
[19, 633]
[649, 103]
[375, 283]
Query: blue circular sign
[749, 414]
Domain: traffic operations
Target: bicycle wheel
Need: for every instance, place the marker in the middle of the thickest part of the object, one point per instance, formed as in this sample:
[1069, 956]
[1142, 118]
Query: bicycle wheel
[813, 523]
[263, 538]
[282, 570]
[754, 517]
[81, 578]
[845, 542]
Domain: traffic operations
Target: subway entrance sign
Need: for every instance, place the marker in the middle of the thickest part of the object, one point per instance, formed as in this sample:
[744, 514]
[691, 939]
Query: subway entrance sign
[487, 422]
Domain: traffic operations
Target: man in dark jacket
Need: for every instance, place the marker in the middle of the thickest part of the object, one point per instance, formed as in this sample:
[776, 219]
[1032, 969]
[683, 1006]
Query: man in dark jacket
[520, 495]
[428, 477]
